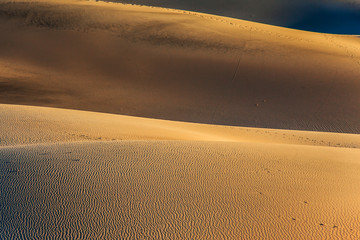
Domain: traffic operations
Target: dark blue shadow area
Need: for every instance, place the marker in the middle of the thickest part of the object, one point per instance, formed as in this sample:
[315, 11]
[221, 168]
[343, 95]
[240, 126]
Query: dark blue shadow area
[328, 16]
[329, 19]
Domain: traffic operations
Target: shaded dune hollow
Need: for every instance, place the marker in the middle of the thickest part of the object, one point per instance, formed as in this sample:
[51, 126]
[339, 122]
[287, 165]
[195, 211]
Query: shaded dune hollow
[177, 65]
[68, 174]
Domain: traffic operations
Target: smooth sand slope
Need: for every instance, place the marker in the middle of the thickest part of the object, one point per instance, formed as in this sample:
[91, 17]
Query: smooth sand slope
[84, 175]
[177, 65]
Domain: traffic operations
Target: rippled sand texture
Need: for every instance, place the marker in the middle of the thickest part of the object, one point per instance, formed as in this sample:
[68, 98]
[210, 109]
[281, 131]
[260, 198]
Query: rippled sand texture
[177, 65]
[171, 180]
[70, 174]
[179, 190]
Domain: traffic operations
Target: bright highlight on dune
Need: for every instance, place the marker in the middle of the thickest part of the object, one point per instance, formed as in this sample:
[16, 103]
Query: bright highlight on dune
[72, 174]
[131, 122]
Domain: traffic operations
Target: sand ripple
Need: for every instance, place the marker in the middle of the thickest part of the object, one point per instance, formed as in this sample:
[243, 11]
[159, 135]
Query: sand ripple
[179, 190]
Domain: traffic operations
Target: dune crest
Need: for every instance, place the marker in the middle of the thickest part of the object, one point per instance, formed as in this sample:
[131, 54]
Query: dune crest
[23, 125]
[330, 16]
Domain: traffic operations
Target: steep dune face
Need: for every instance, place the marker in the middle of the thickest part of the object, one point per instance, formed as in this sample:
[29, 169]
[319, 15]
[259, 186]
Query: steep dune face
[69, 174]
[331, 16]
[177, 65]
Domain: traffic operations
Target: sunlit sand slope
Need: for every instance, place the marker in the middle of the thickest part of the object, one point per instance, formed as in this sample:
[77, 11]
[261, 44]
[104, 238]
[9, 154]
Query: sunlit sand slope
[179, 190]
[32, 125]
[177, 65]
[83, 175]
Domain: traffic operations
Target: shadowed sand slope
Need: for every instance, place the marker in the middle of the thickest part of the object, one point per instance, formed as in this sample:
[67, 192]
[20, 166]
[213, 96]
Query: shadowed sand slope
[177, 65]
[68, 174]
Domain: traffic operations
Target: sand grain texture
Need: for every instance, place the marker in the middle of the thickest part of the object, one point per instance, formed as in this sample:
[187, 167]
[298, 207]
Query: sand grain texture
[291, 171]
[69, 175]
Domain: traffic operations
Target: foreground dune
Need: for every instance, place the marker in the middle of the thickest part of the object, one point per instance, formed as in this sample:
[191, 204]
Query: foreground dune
[177, 65]
[74, 174]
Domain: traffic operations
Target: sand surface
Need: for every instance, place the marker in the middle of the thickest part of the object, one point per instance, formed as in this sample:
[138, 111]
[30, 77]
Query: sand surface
[85, 175]
[24, 125]
[72, 174]
[177, 65]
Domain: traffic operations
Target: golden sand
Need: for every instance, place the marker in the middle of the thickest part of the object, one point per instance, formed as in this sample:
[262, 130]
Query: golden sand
[74, 174]
[71, 174]
[177, 65]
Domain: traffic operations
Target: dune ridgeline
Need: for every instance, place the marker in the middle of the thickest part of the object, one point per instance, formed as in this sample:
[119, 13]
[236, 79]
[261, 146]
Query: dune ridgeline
[329, 16]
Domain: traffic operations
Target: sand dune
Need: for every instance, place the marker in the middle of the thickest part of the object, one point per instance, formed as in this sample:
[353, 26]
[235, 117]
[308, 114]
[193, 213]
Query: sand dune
[179, 190]
[23, 125]
[67, 174]
[177, 65]
[71, 174]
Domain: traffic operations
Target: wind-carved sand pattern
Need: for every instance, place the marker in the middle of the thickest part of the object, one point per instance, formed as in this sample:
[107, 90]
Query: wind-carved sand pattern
[198, 182]
[179, 190]
[71, 174]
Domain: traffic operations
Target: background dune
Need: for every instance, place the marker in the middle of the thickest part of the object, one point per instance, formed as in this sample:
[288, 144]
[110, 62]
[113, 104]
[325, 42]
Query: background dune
[177, 65]
[84, 175]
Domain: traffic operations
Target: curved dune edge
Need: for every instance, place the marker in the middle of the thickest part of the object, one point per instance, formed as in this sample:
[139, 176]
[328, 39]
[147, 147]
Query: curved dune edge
[34, 125]
[76, 174]
[332, 16]
[177, 65]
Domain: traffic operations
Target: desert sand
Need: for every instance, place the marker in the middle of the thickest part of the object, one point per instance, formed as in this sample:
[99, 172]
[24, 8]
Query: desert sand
[177, 65]
[107, 126]
[75, 174]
